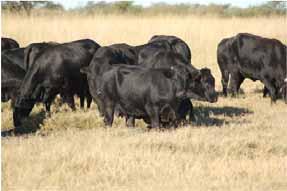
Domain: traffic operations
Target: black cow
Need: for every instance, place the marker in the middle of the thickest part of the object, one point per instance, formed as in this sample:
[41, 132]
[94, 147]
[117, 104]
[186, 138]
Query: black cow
[141, 53]
[55, 70]
[24, 56]
[11, 77]
[8, 43]
[200, 82]
[177, 44]
[88, 44]
[15, 56]
[34, 49]
[203, 86]
[139, 92]
[117, 54]
[254, 57]
[14, 69]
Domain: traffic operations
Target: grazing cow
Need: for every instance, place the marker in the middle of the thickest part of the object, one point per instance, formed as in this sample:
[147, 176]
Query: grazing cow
[138, 92]
[8, 43]
[254, 57]
[55, 70]
[203, 86]
[11, 77]
[99, 73]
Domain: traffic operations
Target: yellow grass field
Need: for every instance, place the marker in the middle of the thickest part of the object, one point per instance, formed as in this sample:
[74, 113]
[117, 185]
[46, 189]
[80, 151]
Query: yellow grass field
[236, 143]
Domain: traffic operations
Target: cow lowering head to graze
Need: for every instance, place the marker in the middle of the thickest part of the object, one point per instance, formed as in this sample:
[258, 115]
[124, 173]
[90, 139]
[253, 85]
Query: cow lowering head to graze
[8, 43]
[202, 87]
[56, 70]
[201, 82]
[254, 57]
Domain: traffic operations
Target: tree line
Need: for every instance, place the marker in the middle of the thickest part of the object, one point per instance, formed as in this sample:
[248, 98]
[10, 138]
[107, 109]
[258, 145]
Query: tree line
[269, 8]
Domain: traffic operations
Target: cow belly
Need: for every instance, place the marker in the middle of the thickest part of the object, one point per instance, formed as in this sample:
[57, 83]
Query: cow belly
[132, 109]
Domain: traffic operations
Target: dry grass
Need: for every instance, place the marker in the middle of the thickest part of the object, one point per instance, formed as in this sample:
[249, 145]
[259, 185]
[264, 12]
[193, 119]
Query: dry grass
[236, 144]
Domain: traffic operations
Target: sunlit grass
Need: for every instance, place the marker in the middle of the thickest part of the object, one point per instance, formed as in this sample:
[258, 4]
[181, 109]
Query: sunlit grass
[235, 144]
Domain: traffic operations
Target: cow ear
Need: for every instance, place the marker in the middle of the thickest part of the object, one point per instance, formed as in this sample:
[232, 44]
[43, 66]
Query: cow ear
[85, 70]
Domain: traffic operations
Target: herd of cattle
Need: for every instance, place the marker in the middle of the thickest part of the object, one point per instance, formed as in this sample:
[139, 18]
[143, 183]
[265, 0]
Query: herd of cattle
[153, 82]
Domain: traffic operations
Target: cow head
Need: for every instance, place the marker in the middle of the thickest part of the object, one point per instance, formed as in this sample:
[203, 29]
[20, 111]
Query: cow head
[21, 110]
[201, 86]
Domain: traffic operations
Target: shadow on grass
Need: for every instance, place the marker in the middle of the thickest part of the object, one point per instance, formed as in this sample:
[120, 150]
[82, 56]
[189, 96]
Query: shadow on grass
[207, 115]
[30, 125]
[229, 93]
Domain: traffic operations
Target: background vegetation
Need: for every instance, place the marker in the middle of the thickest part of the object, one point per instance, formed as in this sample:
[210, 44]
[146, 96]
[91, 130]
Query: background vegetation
[269, 8]
[235, 144]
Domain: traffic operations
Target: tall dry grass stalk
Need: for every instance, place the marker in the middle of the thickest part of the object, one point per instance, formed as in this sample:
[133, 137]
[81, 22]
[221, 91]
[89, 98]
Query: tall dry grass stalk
[236, 144]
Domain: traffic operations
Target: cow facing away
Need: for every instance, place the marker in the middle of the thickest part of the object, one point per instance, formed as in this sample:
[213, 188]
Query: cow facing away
[56, 70]
[8, 43]
[254, 57]
[14, 69]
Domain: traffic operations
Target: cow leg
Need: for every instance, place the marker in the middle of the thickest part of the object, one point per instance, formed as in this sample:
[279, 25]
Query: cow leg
[82, 101]
[265, 91]
[48, 98]
[191, 116]
[272, 90]
[224, 81]
[109, 113]
[235, 82]
[89, 100]
[130, 121]
[100, 105]
[48, 107]
[153, 113]
[13, 101]
[71, 102]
